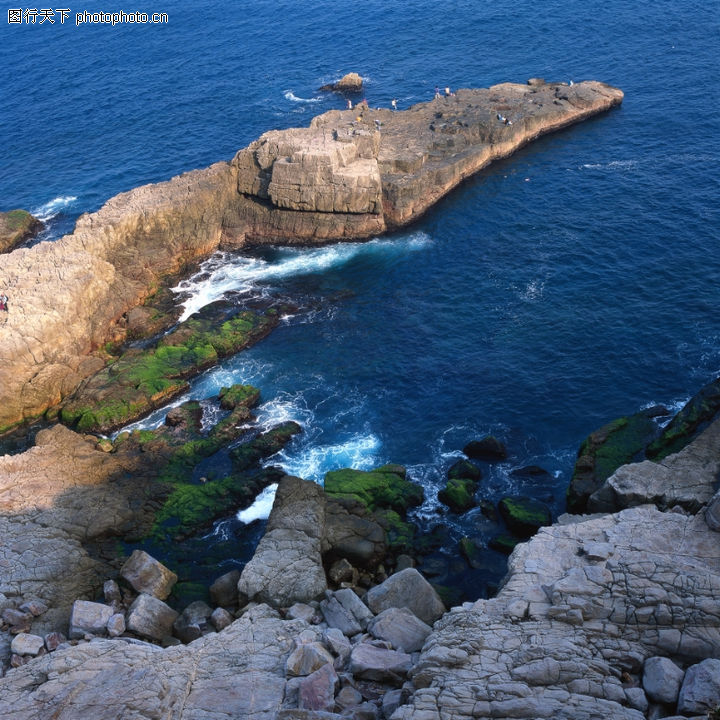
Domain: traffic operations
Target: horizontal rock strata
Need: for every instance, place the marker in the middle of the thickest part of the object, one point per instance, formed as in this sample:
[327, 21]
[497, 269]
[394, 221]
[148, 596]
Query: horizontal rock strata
[351, 175]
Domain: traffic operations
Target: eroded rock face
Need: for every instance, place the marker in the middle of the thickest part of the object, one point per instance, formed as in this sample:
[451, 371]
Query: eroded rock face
[583, 602]
[49, 513]
[239, 674]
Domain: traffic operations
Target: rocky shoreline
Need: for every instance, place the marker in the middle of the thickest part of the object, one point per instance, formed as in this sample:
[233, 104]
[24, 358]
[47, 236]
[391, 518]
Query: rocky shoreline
[611, 615]
[351, 175]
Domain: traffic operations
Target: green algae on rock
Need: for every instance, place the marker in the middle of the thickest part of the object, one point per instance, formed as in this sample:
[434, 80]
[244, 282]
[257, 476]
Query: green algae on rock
[524, 516]
[16, 226]
[698, 413]
[143, 380]
[385, 487]
[459, 494]
[604, 451]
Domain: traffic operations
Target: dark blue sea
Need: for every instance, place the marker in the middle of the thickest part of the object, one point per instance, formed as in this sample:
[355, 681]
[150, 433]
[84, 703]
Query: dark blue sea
[572, 283]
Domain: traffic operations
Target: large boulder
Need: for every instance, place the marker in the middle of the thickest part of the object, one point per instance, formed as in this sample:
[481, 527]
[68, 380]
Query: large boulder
[375, 663]
[407, 589]
[662, 679]
[700, 691]
[147, 575]
[488, 448]
[352, 82]
[150, 617]
[287, 565]
[89, 618]
[400, 627]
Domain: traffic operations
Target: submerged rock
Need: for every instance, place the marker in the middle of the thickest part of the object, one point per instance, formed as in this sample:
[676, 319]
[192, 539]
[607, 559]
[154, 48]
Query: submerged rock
[488, 448]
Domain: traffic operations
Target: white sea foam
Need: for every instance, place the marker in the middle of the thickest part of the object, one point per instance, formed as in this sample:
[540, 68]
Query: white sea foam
[290, 95]
[260, 509]
[50, 209]
[359, 452]
[224, 273]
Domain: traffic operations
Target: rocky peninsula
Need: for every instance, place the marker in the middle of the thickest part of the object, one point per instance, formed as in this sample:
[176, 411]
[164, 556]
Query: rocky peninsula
[351, 175]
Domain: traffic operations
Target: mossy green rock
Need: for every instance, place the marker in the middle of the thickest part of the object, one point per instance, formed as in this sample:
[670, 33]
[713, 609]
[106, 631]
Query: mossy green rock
[264, 445]
[16, 226]
[503, 543]
[619, 442]
[459, 494]
[236, 395]
[142, 380]
[400, 535]
[464, 469]
[472, 550]
[524, 515]
[380, 488]
[698, 413]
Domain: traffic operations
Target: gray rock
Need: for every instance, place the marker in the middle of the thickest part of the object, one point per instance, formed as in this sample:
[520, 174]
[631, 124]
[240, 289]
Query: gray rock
[374, 663]
[301, 611]
[341, 571]
[336, 616]
[338, 643]
[224, 591]
[404, 562]
[353, 604]
[662, 679]
[712, 513]
[53, 640]
[317, 691]
[147, 575]
[636, 699]
[89, 618]
[306, 659]
[33, 607]
[700, 691]
[408, 589]
[400, 627]
[365, 711]
[193, 622]
[348, 697]
[221, 618]
[150, 617]
[111, 593]
[15, 617]
[116, 625]
[25, 644]
[287, 565]
[391, 701]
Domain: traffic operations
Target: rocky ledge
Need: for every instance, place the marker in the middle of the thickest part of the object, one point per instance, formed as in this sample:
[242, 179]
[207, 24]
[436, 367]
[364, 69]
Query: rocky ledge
[351, 175]
[16, 226]
[601, 616]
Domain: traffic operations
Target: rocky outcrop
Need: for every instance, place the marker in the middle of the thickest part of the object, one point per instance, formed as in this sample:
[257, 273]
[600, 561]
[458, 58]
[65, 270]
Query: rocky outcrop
[350, 83]
[610, 616]
[16, 226]
[687, 479]
[350, 175]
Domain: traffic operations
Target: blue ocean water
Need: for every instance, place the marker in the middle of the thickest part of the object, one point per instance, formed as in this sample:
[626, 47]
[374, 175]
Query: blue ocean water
[570, 284]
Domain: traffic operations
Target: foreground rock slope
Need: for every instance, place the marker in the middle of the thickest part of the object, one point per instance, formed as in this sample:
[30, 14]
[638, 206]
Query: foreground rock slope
[351, 175]
[602, 616]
